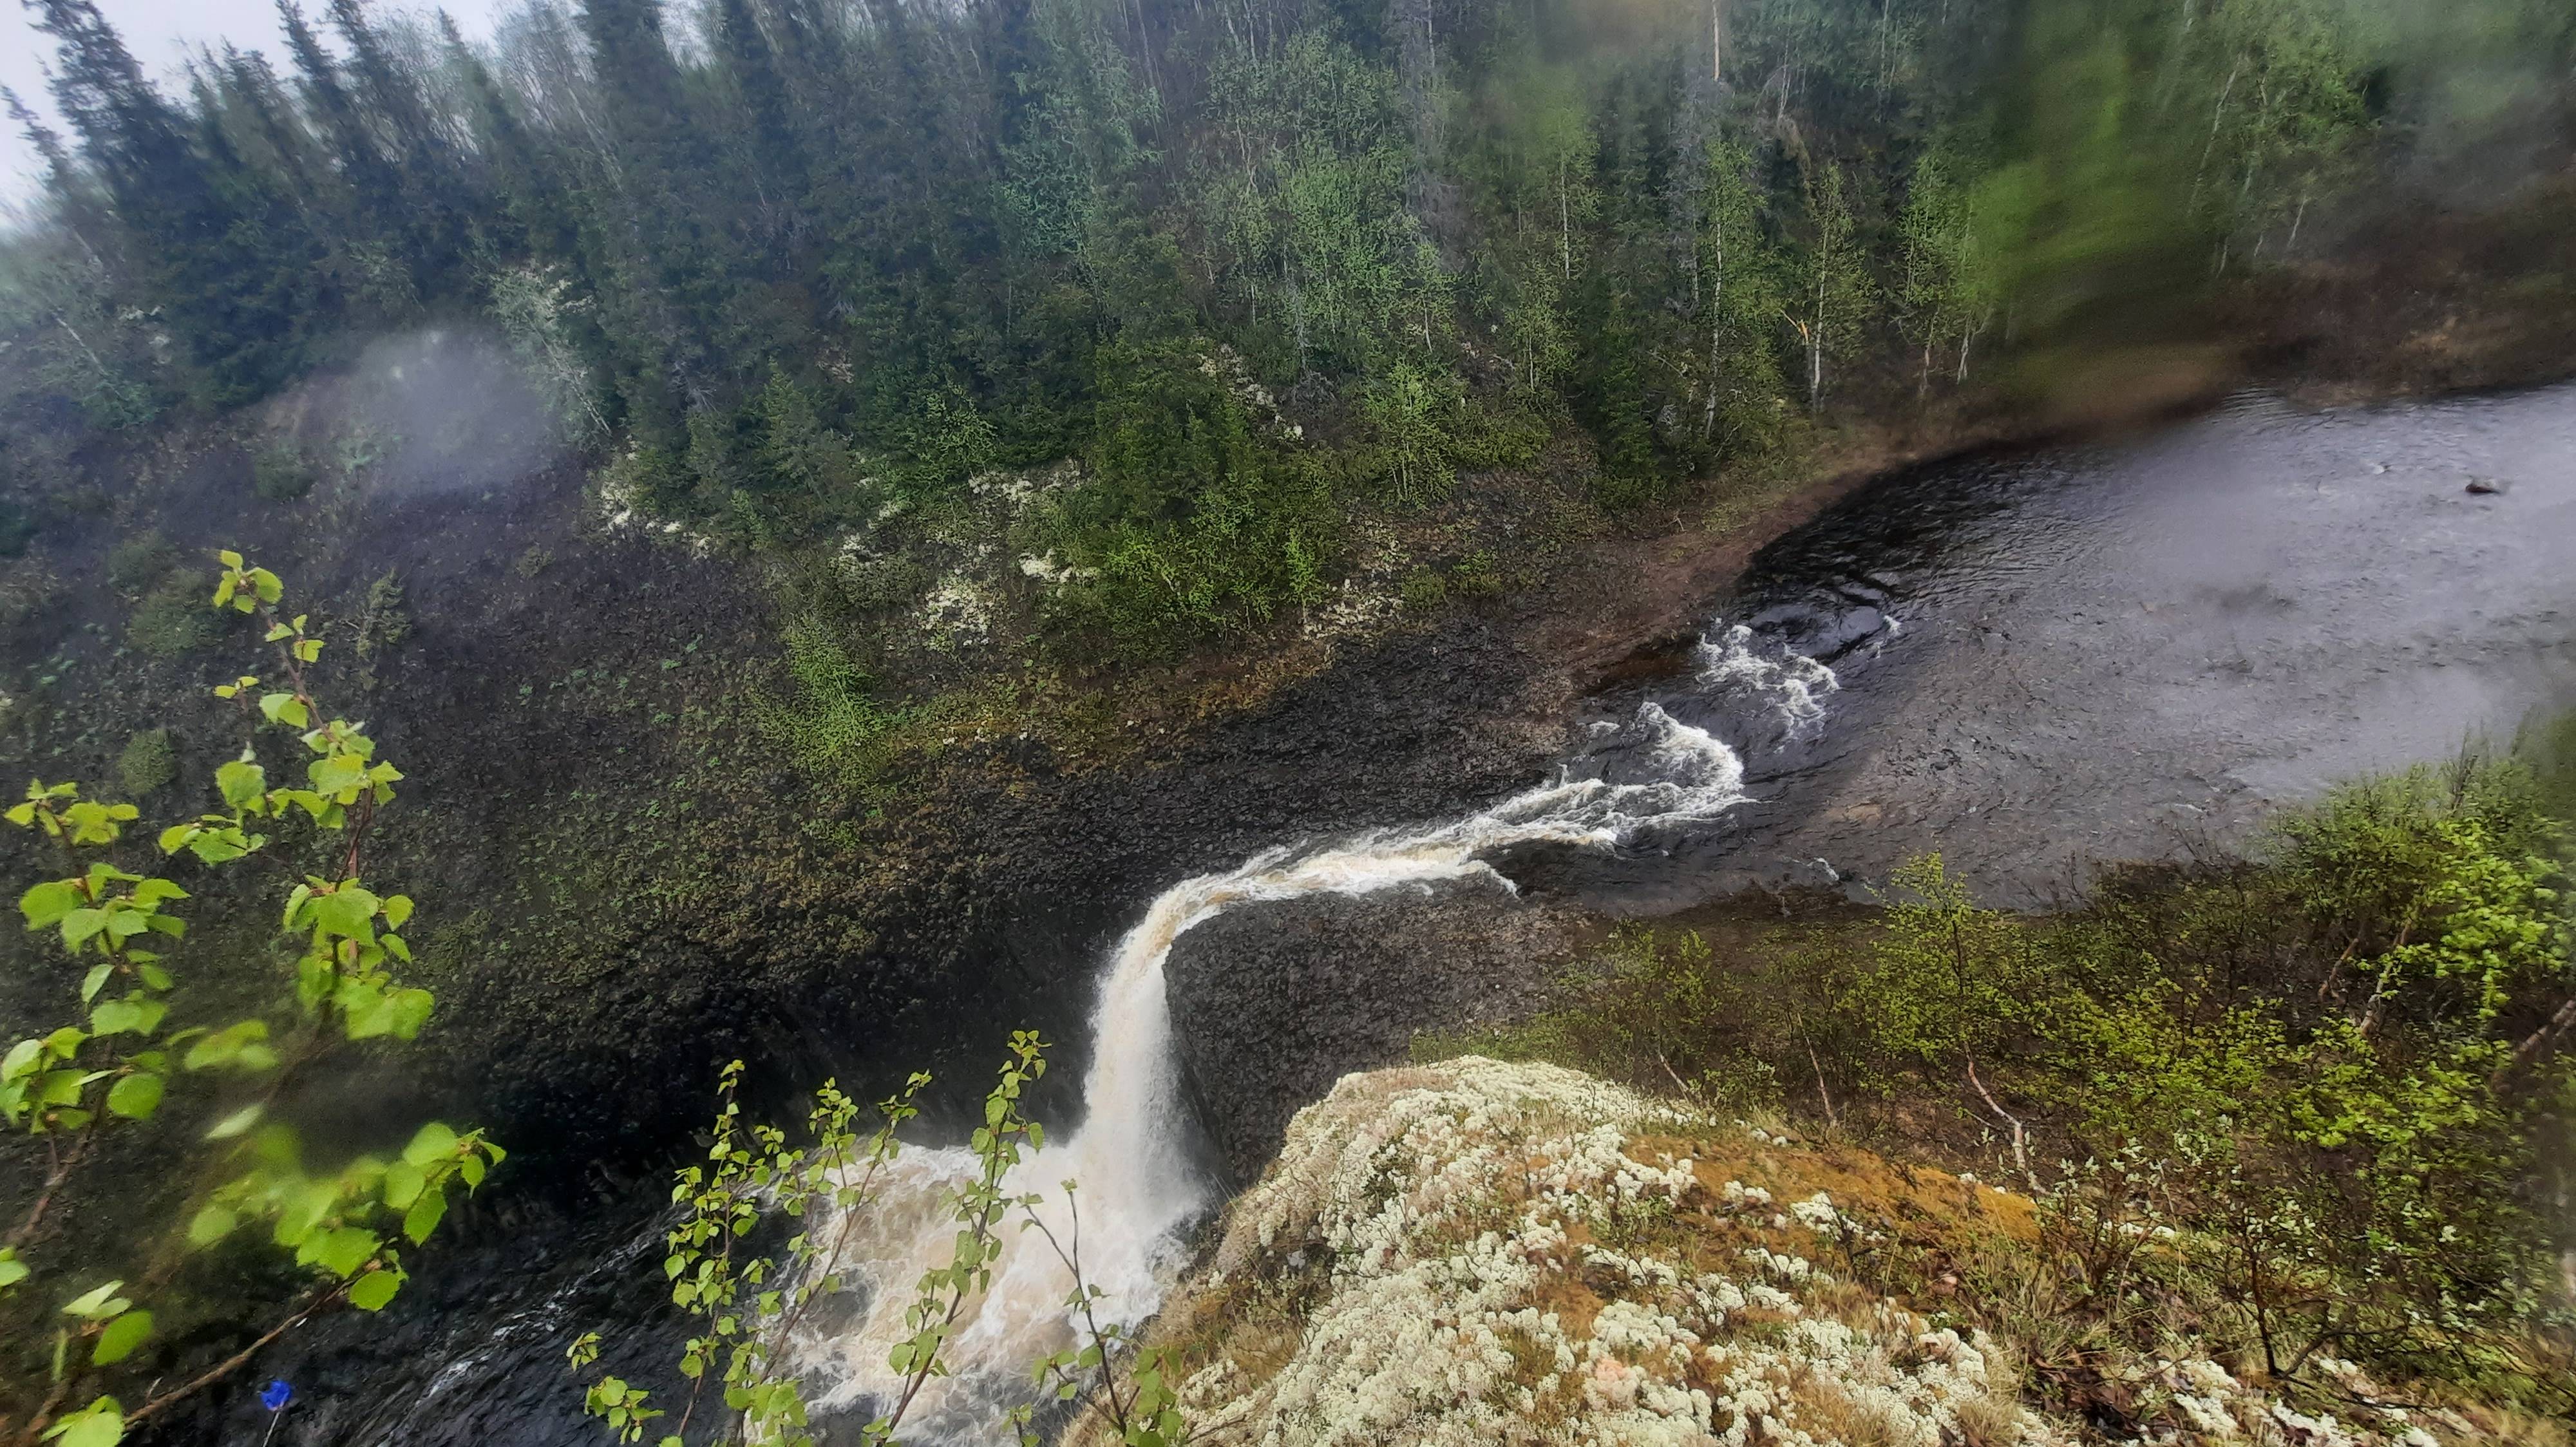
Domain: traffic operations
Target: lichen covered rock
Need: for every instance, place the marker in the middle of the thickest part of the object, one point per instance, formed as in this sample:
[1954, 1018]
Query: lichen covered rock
[1477, 1252]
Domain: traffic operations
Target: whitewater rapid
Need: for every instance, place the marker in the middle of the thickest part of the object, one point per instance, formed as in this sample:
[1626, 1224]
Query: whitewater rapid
[1136, 1184]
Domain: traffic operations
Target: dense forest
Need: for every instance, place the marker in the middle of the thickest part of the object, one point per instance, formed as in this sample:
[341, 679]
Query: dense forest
[802, 266]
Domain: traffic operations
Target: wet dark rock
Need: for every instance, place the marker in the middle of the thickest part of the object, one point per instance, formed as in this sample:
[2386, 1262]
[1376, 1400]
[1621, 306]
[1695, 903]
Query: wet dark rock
[1272, 1003]
[2488, 487]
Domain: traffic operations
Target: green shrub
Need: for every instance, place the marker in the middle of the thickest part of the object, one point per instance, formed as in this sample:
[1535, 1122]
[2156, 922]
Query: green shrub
[830, 719]
[172, 619]
[1476, 576]
[148, 762]
[281, 473]
[1424, 589]
[1198, 521]
[2333, 1056]
[138, 562]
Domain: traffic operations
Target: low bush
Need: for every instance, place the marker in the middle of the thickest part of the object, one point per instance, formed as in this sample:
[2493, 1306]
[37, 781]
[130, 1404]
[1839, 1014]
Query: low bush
[2330, 1072]
[171, 620]
[138, 562]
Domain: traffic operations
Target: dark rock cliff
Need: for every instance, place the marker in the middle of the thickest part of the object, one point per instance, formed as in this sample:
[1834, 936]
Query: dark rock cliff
[1272, 1003]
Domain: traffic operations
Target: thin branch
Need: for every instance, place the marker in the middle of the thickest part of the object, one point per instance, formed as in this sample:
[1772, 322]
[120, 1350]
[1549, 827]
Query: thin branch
[59, 1167]
[237, 1360]
[2020, 1146]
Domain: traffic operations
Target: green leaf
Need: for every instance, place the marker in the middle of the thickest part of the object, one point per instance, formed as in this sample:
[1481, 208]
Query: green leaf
[397, 911]
[98, 1303]
[242, 782]
[100, 1424]
[345, 1249]
[241, 1046]
[135, 1097]
[407, 1010]
[371, 1291]
[423, 1217]
[348, 911]
[94, 980]
[236, 1123]
[47, 903]
[337, 774]
[153, 891]
[432, 1142]
[365, 1010]
[21, 1059]
[12, 1270]
[285, 708]
[120, 1339]
[80, 924]
[211, 1224]
[302, 1215]
[223, 846]
[403, 1183]
[133, 1015]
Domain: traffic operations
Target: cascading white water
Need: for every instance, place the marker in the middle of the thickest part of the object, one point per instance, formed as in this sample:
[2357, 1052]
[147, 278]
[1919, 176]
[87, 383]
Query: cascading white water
[1136, 1187]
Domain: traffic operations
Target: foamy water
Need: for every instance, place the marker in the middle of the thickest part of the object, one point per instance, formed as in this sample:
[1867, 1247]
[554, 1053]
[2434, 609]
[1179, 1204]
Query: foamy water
[1129, 1159]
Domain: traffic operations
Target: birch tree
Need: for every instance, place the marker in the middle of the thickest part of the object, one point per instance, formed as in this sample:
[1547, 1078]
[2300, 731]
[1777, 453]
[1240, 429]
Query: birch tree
[1947, 288]
[1835, 299]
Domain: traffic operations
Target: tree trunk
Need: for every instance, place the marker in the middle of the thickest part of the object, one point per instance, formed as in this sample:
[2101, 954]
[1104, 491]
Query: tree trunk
[1564, 220]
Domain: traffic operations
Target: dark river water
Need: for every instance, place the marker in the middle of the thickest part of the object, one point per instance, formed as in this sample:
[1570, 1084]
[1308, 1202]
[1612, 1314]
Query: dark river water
[2036, 663]
[2126, 650]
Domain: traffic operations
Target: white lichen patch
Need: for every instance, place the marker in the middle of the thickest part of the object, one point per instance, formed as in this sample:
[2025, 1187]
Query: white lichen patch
[957, 611]
[1045, 569]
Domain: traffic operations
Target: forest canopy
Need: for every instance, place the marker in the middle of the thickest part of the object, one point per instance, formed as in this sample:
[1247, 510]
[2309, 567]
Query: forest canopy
[809, 259]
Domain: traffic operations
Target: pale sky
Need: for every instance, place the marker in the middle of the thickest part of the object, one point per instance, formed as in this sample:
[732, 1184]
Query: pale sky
[160, 33]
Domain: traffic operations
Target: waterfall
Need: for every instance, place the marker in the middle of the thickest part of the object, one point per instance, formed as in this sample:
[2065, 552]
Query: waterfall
[1136, 1187]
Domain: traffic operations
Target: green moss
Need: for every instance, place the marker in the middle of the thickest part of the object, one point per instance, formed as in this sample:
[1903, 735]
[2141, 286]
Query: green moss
[149, 762]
